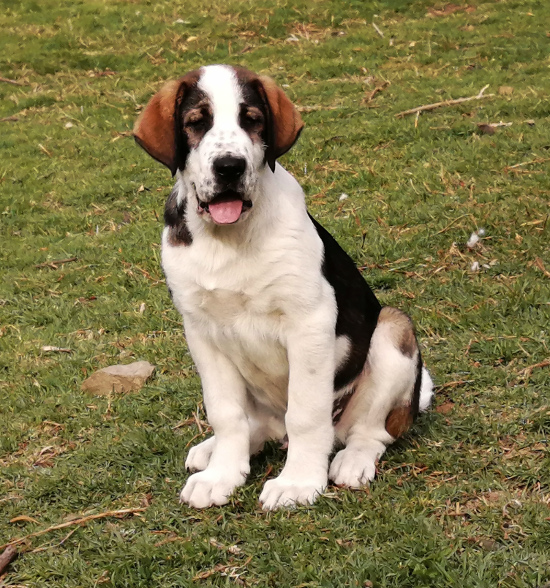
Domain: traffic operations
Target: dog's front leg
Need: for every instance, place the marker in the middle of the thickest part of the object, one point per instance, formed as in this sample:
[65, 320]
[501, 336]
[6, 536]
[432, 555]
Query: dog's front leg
[224, 393]
[308, 421]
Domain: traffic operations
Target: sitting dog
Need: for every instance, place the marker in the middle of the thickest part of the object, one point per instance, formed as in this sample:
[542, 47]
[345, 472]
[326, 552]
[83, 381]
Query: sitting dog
[288, 339]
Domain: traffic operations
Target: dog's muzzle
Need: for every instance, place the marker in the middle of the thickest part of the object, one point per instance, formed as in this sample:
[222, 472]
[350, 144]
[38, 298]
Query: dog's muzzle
[228, 205]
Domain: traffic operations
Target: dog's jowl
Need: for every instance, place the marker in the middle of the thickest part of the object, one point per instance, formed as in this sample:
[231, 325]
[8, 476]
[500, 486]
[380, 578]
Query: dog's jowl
[288, 339]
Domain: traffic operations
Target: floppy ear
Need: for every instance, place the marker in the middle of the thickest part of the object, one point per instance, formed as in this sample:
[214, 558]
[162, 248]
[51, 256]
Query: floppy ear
[156, 128]
[285, 124]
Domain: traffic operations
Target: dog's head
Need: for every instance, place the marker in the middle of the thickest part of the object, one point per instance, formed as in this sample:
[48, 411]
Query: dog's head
[219, 126]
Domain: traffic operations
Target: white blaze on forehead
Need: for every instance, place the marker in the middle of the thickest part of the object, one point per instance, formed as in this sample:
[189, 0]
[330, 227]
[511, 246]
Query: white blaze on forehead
[220, 84]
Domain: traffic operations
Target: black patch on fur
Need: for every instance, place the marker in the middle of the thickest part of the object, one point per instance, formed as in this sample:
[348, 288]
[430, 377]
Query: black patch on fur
[415, 401]
[357, 306]
[176, 220]
[254, 95]
[188, 97]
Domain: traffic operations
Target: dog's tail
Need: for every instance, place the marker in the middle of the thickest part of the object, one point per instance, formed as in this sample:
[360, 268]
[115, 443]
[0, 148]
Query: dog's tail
[426, 391]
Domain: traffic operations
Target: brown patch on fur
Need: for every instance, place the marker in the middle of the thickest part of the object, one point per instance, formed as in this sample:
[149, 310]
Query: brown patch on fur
[399, 421]
[155, 128]
[401, 330]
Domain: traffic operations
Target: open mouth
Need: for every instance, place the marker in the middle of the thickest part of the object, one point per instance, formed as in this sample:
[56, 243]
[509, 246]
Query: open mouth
[226, 208]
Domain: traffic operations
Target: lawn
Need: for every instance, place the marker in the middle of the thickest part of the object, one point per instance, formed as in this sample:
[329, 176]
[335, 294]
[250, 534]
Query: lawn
[464, 499]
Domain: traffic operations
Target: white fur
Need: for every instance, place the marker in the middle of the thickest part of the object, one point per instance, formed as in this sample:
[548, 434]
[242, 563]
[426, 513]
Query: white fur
[259, 318]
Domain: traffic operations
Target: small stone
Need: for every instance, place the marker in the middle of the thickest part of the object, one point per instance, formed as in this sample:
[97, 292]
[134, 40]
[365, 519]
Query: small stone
[119, 378]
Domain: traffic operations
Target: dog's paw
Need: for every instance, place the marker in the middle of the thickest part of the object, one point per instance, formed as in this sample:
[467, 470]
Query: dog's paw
[199, 456]
[285, 491]
[210, 488]
[353, 468]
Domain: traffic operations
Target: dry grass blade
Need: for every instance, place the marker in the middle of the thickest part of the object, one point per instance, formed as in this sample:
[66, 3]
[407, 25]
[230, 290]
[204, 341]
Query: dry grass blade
[539, 263]
[224, 569]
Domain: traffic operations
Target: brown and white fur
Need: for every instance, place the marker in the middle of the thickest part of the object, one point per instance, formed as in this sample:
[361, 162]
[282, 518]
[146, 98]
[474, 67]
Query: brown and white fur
[287, 337]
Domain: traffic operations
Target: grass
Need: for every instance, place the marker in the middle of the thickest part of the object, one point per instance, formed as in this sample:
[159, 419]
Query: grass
[461, 501]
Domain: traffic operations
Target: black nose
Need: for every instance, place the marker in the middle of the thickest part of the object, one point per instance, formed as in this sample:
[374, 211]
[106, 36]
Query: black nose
[229, 168]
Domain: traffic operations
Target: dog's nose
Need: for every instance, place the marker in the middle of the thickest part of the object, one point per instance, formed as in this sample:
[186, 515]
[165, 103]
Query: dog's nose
[229, 168]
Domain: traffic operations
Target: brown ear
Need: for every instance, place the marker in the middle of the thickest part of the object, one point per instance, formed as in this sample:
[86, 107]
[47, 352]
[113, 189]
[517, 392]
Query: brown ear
[155, 128]
[286, 121]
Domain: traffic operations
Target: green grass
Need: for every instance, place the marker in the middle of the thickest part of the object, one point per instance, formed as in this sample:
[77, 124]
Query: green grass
[463, 500]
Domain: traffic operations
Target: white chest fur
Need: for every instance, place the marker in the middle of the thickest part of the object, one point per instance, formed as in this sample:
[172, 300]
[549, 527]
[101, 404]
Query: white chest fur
[245, 295]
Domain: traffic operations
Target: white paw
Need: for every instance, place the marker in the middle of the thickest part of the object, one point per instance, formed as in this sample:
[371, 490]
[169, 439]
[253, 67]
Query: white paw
[353, 467]
[211, 488]
[284, 491]
[199, 456]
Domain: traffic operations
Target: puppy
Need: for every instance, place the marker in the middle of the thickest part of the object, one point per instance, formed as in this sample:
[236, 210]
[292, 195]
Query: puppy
[288, 339]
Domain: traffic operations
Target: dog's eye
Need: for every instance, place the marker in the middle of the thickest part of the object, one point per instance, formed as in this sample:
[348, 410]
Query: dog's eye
[196, 120]
[254, 117]
[251, 119]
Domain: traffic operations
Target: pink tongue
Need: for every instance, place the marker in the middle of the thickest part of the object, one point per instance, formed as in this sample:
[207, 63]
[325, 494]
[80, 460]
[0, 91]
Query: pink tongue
[226, 212]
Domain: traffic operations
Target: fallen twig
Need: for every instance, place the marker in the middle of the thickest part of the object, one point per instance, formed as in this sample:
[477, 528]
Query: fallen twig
[14, 82]
[80, 521]
[9, 119]
[435, 105]
[526, 372]
[53, 264]
[368, 97]
[54, 349]
[10, 553]
[537, 160]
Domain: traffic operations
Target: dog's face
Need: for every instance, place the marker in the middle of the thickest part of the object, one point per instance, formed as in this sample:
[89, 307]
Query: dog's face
[219, 126]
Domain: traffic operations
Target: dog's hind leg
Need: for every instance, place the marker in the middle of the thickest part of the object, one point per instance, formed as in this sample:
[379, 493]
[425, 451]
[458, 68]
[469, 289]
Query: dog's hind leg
[387, 397]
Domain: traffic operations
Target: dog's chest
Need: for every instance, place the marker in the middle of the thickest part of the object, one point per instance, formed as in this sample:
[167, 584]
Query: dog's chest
[240, 307]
